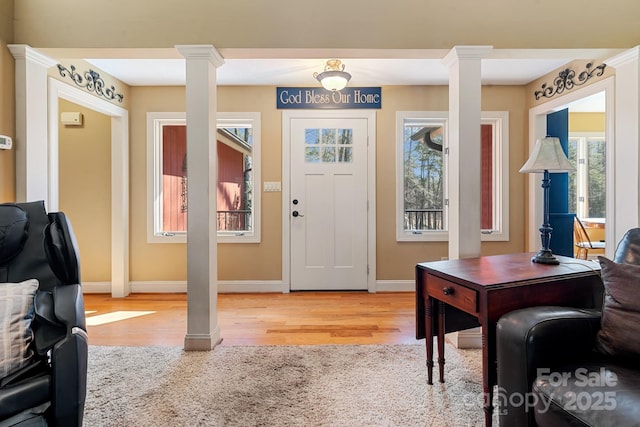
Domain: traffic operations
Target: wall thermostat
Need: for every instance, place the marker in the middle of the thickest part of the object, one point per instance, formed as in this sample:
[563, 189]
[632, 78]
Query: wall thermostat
[71, 118]
[5, 142]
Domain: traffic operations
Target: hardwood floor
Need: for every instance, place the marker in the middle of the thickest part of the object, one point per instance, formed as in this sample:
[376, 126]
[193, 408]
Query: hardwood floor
[257, 319]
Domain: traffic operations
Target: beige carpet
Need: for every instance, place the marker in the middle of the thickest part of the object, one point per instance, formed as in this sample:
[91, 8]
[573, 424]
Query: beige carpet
[331, 385]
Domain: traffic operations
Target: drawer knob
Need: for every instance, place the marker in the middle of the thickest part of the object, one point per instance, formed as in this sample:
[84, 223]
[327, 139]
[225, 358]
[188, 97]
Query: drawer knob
[447, 291]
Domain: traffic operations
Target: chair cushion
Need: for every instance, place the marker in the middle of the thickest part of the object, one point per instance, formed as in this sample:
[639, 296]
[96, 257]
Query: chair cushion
[13, 231]
[620, 325]
[16, 315]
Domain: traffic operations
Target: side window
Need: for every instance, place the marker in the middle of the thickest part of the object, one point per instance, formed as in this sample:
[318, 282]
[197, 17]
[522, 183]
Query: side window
[238, 202]
[422, 192]
[421, 176]
[587, 153]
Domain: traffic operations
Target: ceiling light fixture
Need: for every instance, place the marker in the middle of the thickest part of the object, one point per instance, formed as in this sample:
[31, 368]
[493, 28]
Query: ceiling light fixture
[333, 77]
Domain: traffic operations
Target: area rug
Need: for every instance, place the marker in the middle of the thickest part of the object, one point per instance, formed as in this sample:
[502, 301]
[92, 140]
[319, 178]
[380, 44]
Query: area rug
[320, 385]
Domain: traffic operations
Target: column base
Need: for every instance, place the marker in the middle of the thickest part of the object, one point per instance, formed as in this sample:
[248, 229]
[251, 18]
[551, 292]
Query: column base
[202, 342]
[470, 338]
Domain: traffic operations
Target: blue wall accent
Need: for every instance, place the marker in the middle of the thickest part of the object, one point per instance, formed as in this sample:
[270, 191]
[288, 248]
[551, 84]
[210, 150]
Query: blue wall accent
[558, 126]
[559, 217]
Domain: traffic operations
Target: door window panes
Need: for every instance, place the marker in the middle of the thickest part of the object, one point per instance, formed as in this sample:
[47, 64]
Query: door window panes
[328, 145]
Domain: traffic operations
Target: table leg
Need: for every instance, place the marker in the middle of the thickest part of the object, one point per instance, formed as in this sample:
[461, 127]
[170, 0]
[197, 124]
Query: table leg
[441, 339]
[428, 332]
[488, 363]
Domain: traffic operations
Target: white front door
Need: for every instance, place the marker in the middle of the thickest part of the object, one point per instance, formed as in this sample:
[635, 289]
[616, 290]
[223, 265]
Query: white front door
[328, 203]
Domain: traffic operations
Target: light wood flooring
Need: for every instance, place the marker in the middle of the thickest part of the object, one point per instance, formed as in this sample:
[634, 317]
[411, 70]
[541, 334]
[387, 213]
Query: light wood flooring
[257, 319]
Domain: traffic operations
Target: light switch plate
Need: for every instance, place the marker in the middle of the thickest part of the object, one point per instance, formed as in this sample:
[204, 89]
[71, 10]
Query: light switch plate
[272, 186]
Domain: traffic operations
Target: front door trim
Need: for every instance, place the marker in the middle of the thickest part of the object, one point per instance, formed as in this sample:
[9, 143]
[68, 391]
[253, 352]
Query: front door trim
[287, 116]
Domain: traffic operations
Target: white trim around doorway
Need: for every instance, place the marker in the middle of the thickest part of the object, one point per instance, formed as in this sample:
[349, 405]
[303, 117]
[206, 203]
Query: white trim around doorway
[120, 285]
[370, 116]
[538, 129]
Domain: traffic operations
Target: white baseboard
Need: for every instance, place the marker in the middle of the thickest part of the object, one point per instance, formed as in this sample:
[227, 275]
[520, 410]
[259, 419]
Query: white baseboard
[96, 287]
[180, 286]
[395, 285]
[239, 286]
[230, 286]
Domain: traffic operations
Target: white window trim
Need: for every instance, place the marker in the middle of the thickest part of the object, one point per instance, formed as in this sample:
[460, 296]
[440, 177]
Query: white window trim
[155, 121]
[403, 235]
[582, 186]
[500, 121]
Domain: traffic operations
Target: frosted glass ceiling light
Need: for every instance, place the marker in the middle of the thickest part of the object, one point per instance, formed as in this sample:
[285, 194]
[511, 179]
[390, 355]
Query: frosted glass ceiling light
[333, 77]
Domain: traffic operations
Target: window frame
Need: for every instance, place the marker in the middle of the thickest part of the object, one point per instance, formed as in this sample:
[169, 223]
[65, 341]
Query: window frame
[500, 176]
[155, 122]
[582, 178]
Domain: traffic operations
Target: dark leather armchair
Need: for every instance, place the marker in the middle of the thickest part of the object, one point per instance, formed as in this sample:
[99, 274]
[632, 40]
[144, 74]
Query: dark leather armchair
[51, 388]
[545, 352]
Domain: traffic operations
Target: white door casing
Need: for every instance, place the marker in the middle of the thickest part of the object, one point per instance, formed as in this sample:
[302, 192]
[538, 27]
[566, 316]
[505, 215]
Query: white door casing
[327, 200]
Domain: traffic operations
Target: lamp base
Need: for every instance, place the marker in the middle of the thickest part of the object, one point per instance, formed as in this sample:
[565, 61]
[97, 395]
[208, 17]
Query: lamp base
[544, 256]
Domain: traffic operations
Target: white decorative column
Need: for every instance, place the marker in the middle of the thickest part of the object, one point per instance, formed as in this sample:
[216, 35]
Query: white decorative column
[31, 144]
[465, 112]
[203, 332]
[465, 108]
[626, 158]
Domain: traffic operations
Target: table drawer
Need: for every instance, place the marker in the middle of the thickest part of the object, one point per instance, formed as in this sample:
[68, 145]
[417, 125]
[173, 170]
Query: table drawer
[453, 294]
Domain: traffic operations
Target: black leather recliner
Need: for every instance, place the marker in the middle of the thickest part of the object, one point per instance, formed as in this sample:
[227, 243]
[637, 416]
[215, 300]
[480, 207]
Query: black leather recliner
[51, 388]
[538, 347]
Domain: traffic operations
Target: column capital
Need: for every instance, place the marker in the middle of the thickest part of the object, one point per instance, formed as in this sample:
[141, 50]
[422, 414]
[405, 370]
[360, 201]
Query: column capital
[26, 52]
[628, 56]
[200, 51]
[466, 52]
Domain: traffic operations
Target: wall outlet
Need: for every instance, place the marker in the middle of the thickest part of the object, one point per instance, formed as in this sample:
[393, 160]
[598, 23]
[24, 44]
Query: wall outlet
[5, 142]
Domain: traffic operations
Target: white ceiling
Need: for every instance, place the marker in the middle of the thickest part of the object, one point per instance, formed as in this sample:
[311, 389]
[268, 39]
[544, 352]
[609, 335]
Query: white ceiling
[364, 72]
[295, 67]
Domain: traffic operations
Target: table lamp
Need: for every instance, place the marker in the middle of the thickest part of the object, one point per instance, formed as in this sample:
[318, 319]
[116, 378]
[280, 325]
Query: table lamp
[547, 155]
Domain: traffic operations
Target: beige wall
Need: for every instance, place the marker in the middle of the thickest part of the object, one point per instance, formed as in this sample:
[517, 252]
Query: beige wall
[7, 103]
[405, 24]
[6, 21]
[156, 261]
[587, 122]
[148, 23]
[396, 261]
[85, 188]
[7, 125]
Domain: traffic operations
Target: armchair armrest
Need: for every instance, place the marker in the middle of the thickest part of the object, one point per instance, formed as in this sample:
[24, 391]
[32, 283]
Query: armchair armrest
[60, 331]
[69, 358]
[533, 338]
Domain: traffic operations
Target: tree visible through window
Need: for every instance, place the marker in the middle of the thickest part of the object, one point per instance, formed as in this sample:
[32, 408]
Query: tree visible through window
[423, 177]
[422, 189]
[587, 197]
